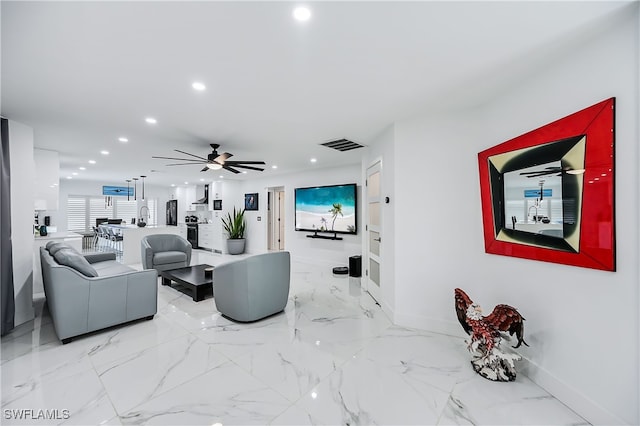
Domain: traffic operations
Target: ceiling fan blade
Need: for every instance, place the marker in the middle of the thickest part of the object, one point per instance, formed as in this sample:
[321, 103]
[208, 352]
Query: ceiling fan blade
[245, 162]
[230, 169]
[247, 167]
[184, 164]
[539, 173]
[222, 157]
[206, 169]
[180, 159]
[193, 155]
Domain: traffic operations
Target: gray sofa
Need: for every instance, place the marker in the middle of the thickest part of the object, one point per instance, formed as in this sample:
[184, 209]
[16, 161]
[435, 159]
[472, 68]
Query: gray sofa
[165, 251]
[252, 288]
[92, 292]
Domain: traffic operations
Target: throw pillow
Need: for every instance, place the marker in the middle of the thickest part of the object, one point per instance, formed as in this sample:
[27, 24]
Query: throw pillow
[75, 260]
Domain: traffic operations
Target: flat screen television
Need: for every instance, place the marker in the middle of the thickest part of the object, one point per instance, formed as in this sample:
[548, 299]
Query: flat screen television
[331, 208]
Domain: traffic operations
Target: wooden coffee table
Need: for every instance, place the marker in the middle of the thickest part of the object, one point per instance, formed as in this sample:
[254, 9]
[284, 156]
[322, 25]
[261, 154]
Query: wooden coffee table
[191, 277]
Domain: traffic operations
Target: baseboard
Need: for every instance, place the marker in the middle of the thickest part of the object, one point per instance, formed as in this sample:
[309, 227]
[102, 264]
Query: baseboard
[569, 396]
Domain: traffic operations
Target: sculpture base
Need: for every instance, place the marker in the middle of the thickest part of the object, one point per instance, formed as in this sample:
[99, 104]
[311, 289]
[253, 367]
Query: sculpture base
[496, 366]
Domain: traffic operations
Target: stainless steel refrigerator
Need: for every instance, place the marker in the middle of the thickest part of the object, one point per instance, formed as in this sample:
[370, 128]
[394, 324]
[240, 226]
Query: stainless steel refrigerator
[172, 212]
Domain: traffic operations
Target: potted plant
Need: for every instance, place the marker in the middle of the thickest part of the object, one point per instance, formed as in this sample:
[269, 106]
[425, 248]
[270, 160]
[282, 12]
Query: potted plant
[234, 225]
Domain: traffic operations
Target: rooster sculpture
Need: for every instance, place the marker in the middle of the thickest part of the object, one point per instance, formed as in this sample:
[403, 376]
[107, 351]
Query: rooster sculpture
[488, 360]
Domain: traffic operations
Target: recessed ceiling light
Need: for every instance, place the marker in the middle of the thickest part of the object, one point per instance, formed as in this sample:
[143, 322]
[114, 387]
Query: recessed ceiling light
[123, 139]
[221, 177]
[186, 183]
[274, 167]
[75, 173]
[201, 179]
[69, 177]
[313, 160]
[151, 120]
[301, 13]
[92, 161]
[198, 86]
[245, 172]
[82, 168]
[103, 152]
[596, 178]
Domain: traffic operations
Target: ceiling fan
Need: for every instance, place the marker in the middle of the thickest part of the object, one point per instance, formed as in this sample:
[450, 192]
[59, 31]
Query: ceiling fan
[558, 171]
[214, 161]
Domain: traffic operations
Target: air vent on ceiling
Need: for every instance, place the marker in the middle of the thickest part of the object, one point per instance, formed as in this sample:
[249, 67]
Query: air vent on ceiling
[342, 145]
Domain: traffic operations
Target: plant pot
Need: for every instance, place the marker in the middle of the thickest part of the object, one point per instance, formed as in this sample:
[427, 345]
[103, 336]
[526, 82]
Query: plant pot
[235, 246]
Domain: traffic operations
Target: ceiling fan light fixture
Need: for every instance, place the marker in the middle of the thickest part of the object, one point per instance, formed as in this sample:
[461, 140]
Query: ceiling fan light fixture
[214, 166]
[576, 171]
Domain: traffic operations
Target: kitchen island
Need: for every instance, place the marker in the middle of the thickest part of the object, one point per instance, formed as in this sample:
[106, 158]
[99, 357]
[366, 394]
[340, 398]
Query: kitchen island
[132, 236]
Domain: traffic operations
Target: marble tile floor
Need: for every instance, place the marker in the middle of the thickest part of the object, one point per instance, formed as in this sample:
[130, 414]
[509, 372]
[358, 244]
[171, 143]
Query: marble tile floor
[332, 358]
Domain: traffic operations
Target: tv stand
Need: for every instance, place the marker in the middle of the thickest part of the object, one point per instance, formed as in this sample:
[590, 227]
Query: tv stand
[325, 237]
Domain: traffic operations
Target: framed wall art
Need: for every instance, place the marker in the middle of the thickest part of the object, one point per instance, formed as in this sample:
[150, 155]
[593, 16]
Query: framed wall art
[548, 194]
[251, 201]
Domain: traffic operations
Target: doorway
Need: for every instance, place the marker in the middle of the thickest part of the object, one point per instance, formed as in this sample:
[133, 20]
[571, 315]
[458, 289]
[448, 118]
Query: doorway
[275, 219]
[373, 231]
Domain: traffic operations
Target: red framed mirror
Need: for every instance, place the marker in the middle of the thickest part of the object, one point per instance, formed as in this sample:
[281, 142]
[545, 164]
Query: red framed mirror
[548, 194]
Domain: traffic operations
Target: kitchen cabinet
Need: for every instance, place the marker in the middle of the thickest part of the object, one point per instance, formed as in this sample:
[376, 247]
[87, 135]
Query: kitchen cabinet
[182, 230]
[206, 236]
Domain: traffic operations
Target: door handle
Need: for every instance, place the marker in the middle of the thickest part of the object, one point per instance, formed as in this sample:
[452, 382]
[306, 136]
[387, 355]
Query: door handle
[378, 240]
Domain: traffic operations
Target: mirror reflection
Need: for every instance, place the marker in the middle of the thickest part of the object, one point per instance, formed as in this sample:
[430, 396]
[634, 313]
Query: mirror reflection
[533, 199]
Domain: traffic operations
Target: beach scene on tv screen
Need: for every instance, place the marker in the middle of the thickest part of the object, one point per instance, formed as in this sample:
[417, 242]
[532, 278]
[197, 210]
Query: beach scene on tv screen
[327, 209]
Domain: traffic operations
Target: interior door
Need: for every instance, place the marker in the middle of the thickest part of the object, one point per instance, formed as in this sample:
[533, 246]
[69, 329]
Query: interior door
[373, 230]
[280, 219]
[275, 213]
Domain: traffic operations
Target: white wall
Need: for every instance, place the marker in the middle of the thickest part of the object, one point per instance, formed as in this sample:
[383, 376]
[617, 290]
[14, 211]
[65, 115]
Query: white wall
[22, 179]
[94, 188]
[582, 324]
[330, 252]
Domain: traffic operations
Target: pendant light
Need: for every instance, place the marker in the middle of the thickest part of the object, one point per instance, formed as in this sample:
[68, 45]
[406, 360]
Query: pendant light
[135, 188]
[128, 198]
[143, 187]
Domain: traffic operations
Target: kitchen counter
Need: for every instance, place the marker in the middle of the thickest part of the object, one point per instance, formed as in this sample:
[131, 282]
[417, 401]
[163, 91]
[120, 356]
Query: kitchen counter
[57, 236]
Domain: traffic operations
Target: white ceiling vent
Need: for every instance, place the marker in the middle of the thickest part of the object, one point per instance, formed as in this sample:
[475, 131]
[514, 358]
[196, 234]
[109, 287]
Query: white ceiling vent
[342, 145]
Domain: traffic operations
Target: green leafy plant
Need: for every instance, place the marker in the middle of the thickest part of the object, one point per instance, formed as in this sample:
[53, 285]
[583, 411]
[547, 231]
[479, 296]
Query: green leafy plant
[234, 225]
[335, 211]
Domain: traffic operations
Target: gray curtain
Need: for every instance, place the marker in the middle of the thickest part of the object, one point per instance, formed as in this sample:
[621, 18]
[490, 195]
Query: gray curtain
[7, 303]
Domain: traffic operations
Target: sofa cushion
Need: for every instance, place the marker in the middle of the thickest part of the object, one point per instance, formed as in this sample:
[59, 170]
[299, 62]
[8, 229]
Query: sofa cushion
[73, 259]
[53, 248]
[111, 267]
[50, 243]
[165, 257]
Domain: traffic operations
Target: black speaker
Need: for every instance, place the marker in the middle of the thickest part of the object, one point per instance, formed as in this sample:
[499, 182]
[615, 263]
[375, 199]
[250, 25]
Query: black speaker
[355, 266]
[47, 221]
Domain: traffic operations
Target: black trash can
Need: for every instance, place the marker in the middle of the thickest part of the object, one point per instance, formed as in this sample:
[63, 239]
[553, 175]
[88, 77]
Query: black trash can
[355, 266]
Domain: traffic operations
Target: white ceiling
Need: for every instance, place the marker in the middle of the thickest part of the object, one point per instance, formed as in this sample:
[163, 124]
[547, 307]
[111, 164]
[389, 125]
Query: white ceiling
[83, 74]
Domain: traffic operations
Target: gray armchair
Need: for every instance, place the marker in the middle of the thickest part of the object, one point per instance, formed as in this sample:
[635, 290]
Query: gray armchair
[165, 251]
[254, 287]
